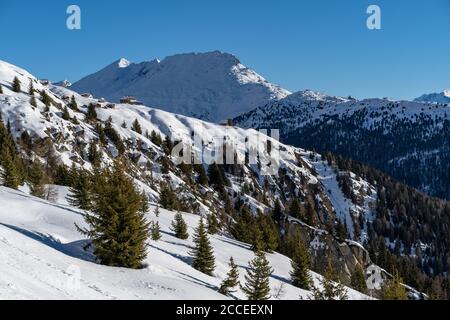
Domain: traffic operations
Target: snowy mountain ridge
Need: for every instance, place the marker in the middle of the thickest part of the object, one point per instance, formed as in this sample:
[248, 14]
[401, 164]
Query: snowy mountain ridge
[212, 86]
[302, 174]
[442, 97]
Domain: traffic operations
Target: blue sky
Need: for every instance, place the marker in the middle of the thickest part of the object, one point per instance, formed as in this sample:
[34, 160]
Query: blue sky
[316, 44]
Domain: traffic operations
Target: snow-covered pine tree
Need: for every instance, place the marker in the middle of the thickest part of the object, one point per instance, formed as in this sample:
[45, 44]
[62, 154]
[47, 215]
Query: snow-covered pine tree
[257, 278]
[301, 262]
[203, 255]
[231, 281]
[136, 127]
[155, 230]
[179, 227]
[116, 224]
[16, 85]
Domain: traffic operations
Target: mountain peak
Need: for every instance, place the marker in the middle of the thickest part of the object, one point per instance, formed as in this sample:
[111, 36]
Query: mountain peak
[443, 97]
[123, 63]
[211, 86]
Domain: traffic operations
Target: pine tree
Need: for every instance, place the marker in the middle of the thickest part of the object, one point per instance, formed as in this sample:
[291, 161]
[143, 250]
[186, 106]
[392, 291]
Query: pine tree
[73, 104]
[167, 145]
[231, 281]
[94, 156]
[36, 179]
[310, 213]
[295, 209]
[168, 199]
[202, 253]
[179, 227]
[80, 192]
[257, 278]
[358, 280]
[301, 263]
[215, 177]
[91, 114]
[157, 211]
[31, 88]
[33, 102]
[45, 98]
[66, 114]
[393, 289]
[10, 173]
[117, 225]
[213, 224]
[277, 213]
[1, 89]
[202, 177]
[332, 289]
[136, 127]
[16, 85]
[155, 231]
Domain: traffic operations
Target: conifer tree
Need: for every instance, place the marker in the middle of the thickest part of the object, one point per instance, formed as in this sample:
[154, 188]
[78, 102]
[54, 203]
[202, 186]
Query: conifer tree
[310, 213]
[301, 263]
[358, 280]
[168, 199]
[10, 173]
[116, 224]
[66, 114]
[155, 230]
[80, 192]
[332, 288]
[94, 156]
[33, 102]
[167, 145]
[202, 253]
[73, 104]
[231, 281]
[1, 89]
[16, 85]
[31, 88]
[213, 224]
[277, 213]
[36, 179]
[91, 114]
[157, 211]
[179, 227]
[45, 98]
[257, 278]
[136, 127]
[393, 289]
[295, 209]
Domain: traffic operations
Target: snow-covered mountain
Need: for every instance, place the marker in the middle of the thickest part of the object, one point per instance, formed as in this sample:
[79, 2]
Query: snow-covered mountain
[44, 234]
[443, 97]
[212, 86]
[406, 139]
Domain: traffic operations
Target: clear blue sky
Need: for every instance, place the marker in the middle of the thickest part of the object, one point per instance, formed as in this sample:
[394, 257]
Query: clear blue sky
[316, 44]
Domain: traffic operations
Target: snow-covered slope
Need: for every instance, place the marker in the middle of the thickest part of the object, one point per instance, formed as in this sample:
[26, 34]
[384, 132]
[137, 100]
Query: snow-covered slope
[42, 257]
[300, 174]
[442, 97]
[212, 86]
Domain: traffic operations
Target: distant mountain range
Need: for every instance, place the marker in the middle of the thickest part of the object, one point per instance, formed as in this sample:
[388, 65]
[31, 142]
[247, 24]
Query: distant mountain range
[443, 97]
[408, 140]
[211, 86]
